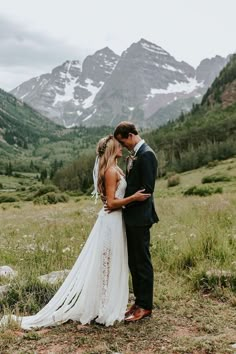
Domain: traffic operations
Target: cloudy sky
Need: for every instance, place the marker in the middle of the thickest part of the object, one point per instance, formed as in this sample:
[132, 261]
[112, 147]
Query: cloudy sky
[37, 35]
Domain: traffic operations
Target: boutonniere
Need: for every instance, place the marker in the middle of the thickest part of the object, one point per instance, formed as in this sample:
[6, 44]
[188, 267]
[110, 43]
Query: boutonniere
[130, 160]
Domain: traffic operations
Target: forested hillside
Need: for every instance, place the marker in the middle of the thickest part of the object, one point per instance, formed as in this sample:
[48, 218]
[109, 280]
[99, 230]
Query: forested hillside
[31, 142]
[21, 125]
[22, 129]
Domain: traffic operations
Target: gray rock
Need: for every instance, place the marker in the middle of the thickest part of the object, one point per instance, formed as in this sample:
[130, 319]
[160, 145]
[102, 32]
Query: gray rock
[217, 273]
[208, 69]
[54, 277]
[6, 271]
[4, 289]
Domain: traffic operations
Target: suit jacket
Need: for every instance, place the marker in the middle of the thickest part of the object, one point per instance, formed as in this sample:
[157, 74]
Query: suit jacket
[142, 175]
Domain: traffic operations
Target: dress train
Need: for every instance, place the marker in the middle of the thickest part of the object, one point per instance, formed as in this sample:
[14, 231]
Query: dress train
[97, 286]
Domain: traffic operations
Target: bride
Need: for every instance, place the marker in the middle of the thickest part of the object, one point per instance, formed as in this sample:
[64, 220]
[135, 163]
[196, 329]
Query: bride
[97, 286]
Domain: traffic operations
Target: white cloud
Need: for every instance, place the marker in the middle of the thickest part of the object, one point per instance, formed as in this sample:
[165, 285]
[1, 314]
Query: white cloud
[44, 33]
[22, 46]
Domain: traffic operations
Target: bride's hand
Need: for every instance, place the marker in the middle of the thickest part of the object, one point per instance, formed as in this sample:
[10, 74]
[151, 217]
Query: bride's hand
[139, 196]
[103, 198]
[107, 209]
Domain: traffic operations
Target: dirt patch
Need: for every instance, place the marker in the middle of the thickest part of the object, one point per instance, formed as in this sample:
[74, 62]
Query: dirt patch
[185, 332]
[204, 326]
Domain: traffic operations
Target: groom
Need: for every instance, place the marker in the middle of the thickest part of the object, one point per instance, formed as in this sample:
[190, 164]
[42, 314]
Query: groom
[139, 217]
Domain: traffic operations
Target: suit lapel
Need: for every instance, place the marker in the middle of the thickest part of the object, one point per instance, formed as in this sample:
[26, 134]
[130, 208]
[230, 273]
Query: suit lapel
[139, 152]
[141, 149]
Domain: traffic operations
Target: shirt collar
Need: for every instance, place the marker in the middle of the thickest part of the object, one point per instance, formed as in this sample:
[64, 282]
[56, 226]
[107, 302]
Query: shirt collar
[138, 146]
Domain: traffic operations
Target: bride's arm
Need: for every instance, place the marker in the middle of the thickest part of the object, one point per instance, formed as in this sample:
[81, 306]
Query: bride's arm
[111, 180]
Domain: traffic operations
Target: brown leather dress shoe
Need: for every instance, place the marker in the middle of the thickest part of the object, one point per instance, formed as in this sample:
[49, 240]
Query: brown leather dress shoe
[131, 310]
[138, 314]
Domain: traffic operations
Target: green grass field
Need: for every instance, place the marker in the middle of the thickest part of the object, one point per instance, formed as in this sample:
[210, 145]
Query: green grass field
[194, 257]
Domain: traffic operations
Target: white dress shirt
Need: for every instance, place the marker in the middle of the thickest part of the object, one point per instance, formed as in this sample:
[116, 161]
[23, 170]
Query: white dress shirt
[138, 146]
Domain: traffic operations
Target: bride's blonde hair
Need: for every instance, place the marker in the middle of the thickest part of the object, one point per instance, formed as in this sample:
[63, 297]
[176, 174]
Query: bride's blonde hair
[106, 151]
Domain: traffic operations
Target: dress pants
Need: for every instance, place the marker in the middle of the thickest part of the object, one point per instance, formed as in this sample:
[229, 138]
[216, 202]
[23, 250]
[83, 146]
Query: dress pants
[140, 265]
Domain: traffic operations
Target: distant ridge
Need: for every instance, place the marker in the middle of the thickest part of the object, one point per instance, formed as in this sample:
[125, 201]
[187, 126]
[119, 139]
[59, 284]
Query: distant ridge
[146, 85]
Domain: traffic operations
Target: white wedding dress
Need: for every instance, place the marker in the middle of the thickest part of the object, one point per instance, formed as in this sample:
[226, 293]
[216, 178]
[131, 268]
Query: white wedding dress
[97, 285]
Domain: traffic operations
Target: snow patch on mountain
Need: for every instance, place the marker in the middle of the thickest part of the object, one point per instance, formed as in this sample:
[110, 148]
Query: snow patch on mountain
[171, 68]
[68, 91]
[153, 48]
[89, 116]
[186, 87]
[88, 102]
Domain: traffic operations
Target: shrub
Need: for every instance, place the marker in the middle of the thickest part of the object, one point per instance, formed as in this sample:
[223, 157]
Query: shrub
[1, 186]
[216, 178]
[33, 188]
[212, 164]
[21, 189]
[28, 297]
[62, 198]
[173, 181]
[6, 198]
[212, 280]
[202, 191]
[46, 189]
[169, 174]
[28, 198]
[51, 198]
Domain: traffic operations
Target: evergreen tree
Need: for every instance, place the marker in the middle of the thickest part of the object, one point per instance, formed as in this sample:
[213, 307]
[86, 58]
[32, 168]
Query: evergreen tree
[8, 169]
[43, 175]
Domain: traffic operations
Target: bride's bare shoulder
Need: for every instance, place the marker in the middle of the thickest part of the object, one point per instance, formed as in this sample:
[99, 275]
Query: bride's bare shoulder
[111, 172]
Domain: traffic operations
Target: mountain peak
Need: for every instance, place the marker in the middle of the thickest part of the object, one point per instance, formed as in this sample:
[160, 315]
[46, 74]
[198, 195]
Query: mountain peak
[209, 68]
[152, 47]
[69, 63]
[105, 51]
[109, 87]
[145, 41]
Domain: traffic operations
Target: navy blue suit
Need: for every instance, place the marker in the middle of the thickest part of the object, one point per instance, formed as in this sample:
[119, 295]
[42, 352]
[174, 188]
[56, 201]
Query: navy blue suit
[139, 217]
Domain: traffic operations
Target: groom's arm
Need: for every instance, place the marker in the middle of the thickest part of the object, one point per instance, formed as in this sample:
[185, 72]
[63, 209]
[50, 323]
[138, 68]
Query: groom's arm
[148, 171]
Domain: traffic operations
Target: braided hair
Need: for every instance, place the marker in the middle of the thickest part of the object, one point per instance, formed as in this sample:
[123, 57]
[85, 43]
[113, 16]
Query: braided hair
[106, 151]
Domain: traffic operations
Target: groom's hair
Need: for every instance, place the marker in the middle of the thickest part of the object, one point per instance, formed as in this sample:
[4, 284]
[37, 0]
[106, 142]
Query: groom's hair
[124, 129]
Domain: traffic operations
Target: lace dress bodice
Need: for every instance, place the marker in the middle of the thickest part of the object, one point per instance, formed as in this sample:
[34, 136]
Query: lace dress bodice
[120, 190]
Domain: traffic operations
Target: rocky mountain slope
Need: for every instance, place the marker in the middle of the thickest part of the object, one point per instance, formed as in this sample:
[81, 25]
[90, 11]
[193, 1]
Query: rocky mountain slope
[223, 90]
[204, 135]
[145, 84]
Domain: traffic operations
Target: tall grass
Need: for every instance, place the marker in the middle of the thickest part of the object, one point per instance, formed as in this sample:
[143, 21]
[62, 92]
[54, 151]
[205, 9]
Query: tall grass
[195, 237]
